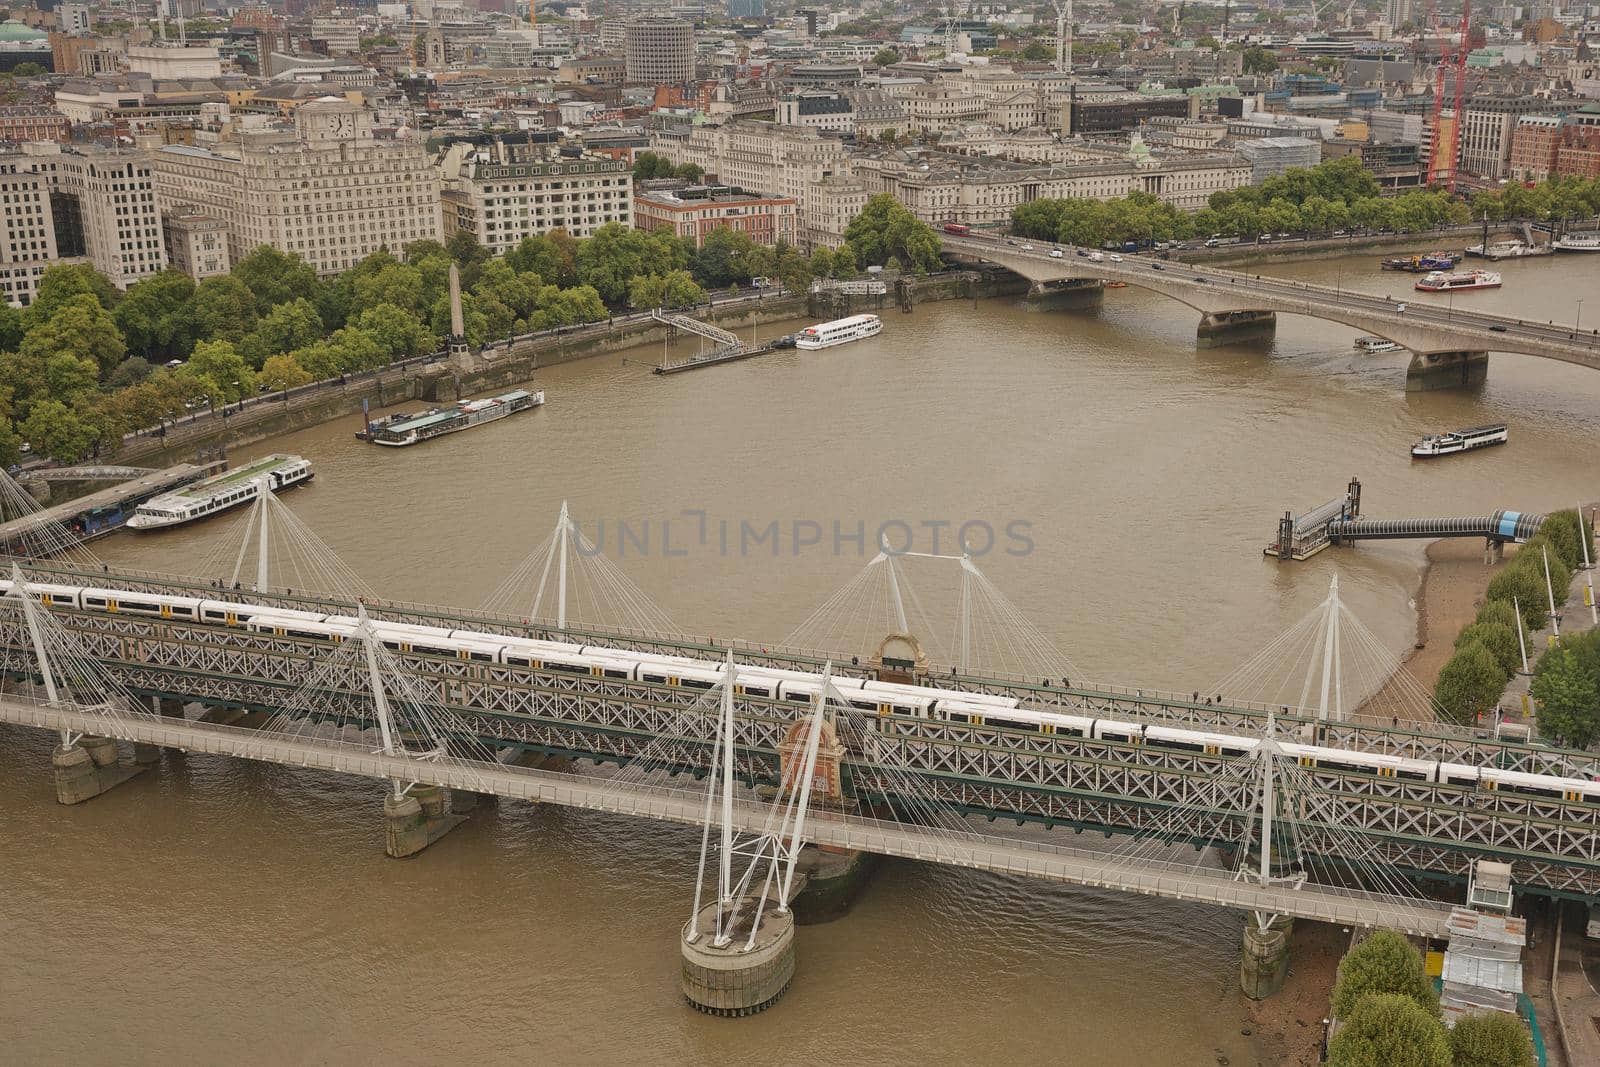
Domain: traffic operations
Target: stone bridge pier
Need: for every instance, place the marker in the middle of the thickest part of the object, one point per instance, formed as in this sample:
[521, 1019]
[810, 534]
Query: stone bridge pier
[1066, 294]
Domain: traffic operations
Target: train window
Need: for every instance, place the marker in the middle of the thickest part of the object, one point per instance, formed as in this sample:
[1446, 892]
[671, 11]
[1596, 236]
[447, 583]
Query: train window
[431, 651]
[483, 657]
[568, 667]
[521, 661]
[1413, 775]
[957, 716]
[658, 678]
[612, 672]
[864, 705]
[214, 615]
[1532, 790]
[1459, 779]
[756, 691]
[800, 698]
[1166, 742]
[95, 601]
[139, 605]
[696, 684]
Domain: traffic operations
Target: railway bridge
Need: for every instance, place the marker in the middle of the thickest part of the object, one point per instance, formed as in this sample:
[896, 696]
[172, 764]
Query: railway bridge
[1269, 827]
[1449, 346]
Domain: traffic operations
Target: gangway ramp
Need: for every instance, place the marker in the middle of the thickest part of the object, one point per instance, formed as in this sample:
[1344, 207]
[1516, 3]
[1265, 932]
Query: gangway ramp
[723, 338]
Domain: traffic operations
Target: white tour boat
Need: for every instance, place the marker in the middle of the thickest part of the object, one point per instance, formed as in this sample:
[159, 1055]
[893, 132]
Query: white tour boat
[1445, 444]
[1376, 344]
[839, 331]
[221, 492]
[1441, 281]
[1578, 242]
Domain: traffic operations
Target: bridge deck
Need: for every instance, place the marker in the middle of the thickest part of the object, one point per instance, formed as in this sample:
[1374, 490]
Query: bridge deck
[975, 851]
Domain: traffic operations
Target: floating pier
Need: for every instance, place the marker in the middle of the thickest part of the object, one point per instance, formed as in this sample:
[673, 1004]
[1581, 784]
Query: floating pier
[1339, 522]
[729, 348]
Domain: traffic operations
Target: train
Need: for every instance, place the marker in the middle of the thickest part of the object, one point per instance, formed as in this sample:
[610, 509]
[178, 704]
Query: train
[887, 700]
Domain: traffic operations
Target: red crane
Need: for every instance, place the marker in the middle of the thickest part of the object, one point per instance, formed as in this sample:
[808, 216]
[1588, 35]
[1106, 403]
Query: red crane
[1446, 152]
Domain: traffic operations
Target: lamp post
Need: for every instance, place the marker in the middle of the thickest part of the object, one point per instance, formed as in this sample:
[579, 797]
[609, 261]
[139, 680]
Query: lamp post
[1578, 321]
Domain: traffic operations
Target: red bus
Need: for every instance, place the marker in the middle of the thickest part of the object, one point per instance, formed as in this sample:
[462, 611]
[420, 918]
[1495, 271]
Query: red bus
[957, 229]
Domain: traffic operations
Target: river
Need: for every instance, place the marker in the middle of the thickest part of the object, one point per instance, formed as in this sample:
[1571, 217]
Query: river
[225, 912]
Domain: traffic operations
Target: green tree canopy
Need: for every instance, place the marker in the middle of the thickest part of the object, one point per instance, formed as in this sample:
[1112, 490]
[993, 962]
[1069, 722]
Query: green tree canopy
[673, 290]
[285, 328]
[55, 430]
[1469, 684]
[885, 229]
[80, 326]
[156, 315]
[1389, 1030]
[1566, 687]
[282, 372]
[1491, 1039]
[224, 309]
[1258, 60]
[1383, 963]
[275, 277]
[885, 57]
[60, 284]
[396, 331]
[1498, 638]
[552, 256]
[610, 259]
[221, 364]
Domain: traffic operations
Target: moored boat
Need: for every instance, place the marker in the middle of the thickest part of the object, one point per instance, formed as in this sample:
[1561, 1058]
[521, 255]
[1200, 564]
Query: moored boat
[1453, 441]
[839, 331]
[412, 427]
[1578, 242]
[221, 492]
[1440, 281]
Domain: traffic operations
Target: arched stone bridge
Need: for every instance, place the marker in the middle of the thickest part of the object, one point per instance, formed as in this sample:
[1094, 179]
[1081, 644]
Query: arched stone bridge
[1449, 346]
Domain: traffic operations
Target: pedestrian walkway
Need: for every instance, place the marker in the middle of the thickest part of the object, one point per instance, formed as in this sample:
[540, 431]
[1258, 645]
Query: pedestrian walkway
[1577, 998]
[1576, 616]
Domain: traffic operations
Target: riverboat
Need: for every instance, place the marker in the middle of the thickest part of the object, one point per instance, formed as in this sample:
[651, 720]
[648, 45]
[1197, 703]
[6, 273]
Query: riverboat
[1376, 344]
[1497, 250]
[839, 332]
[1423, 263]
[1578, 242]
[1440, 281]
[409, 428]
[221, 492]
[1453, 441]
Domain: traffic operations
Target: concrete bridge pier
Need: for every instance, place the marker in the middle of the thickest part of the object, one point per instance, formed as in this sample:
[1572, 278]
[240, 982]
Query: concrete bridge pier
[832, 879]
[416, 820]
[89, 767]
[1446, 370]
[1229, 327]
[731, 980]
[1264, 963]
[1067, 294]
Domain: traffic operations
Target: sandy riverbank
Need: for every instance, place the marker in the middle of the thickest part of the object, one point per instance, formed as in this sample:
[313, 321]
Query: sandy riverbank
[1290, 1021]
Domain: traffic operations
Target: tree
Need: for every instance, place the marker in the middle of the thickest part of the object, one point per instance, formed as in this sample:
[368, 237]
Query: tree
[885, 57]
[224, 309]
[156, 315]
[82, 327]
[1469, 684]
[1258, 60]
[397, 284]
[285, 328]
[1389, 1030]
[1568, 696]
[691, 172]
[1498, 638]
[614, 255]
[1491, 1039]
[675, 289]
[56, 431]
[396, 331]
[282, 372]
[1383, 963]
[1521, 582]
[650, 165]
[724, 258]
[469, 256]
[275, 277]
[10, 327]
[60, 284]
[1036, 52]
[885, 229]
[552, 256]
[10, 443]
[225, 368]
[27, 69]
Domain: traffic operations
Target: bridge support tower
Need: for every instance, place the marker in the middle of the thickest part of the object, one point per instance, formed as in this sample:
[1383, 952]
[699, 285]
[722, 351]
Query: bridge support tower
[1445, 370]
[1228, 327]
[87, 767]
[416, 819]
[1264, 963]
[1069, 294]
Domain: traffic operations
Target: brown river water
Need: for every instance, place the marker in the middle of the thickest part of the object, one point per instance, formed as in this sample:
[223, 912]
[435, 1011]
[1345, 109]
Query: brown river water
[230, 913]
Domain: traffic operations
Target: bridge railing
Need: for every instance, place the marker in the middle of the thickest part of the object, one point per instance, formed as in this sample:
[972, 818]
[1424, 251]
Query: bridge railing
[952, 846]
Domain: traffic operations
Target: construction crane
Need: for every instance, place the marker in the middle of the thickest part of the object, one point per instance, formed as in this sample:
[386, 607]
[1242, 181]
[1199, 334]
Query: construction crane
[1442, 159]
[1063, 36]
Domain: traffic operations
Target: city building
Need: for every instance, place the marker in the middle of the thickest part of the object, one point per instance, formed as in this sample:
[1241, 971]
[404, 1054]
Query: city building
[21, 44]
[32, 122]
[1535, 142]
[1270, 156]
[941, 187]
[796, 162]
[80, 201]
[328, 189]
[695, 210]
[1487, 123]
[505, 190]
[819, 109]
[197, 243]
[164, 62]
[74, 18]
[659, 50]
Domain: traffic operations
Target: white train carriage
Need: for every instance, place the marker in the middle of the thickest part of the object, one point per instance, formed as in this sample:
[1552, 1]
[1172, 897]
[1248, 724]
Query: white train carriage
[1376, 764]
[1543, 786]
[1207, 743]
[127, 602]
[47, 594]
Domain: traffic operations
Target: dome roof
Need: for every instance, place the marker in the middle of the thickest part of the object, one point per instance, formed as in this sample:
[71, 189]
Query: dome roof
[16, 31]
